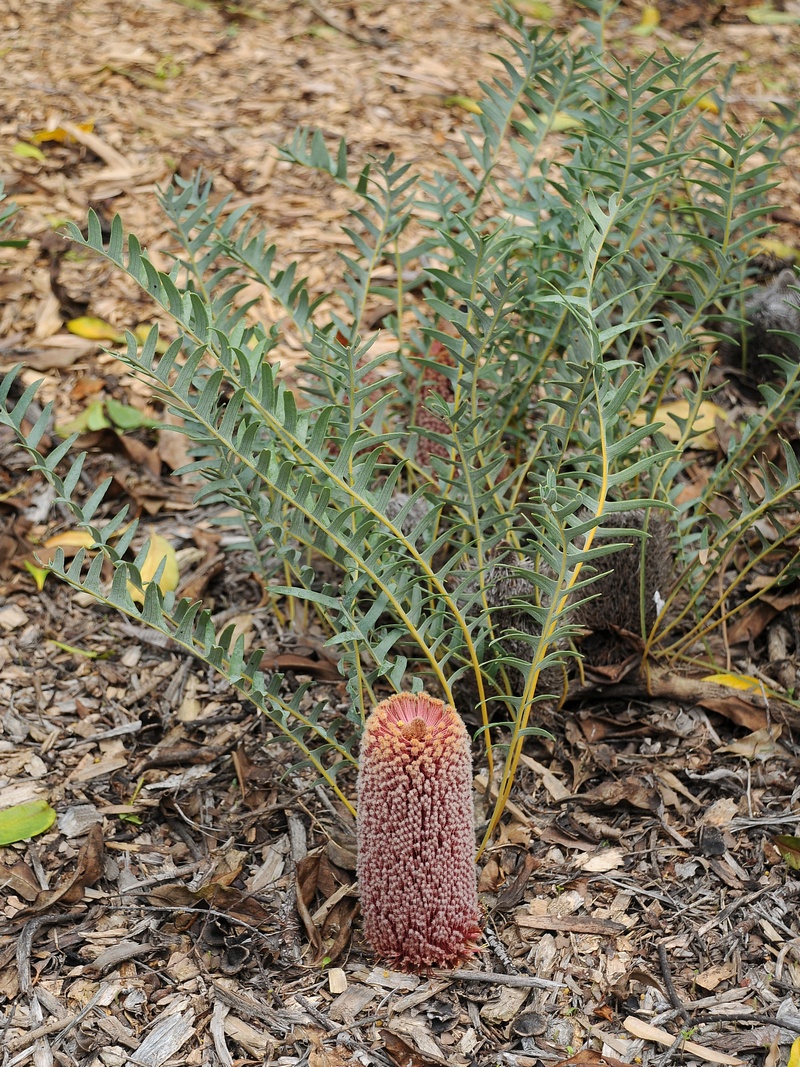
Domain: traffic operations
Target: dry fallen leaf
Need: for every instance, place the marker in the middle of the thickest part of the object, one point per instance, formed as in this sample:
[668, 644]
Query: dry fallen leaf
[88, 871]
[651, 17]
[789, 848]
[760, 744]
[160, 550]
[93, 329]
[674, 414]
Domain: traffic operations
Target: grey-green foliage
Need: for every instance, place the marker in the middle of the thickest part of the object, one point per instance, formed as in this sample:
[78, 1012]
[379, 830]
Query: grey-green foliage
[7, 212]
[569, 280]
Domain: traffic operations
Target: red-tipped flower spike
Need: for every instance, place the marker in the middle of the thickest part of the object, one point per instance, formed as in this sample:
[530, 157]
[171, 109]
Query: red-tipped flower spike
[416, 834]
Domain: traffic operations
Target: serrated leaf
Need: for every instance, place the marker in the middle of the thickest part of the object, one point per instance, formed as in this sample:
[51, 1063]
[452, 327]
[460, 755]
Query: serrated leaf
[25, 821]
[93, 329]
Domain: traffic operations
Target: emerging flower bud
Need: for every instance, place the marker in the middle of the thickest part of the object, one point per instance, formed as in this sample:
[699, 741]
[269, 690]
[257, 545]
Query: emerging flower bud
[416, 834]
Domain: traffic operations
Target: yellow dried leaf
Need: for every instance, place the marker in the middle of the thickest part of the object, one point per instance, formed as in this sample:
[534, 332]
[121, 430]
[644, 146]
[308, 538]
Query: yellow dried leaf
[70, 539]
[703, 102]
[562, 121]
[39, 574]
[650, 20]
[704, 425]
[794, 1055]
[94, 329]
[59, 135]
[465, 102]
[142, 332]
[160, 549]
[745, 682]
[535, 9]
[771, 247]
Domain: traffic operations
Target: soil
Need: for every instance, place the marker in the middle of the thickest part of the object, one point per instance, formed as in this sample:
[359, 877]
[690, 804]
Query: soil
[195, 902]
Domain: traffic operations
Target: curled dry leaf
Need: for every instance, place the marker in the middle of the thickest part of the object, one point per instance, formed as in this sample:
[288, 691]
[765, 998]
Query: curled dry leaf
[88, 871]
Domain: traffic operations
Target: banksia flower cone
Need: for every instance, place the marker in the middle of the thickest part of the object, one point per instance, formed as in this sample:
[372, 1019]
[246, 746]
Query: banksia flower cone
[416, 834]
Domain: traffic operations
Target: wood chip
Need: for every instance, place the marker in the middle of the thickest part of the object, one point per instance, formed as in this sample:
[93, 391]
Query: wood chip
[256, 1042]
[167, 1037]
[646, 1032]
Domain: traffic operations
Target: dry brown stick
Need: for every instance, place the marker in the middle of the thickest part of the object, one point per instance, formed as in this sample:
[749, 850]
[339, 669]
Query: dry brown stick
[346, 1039]
[744, 1017]
[50, 1027]
[341, 27]
[672, 993]
[28, 935]
[499, 949]
[673, 1050]
[518, 981]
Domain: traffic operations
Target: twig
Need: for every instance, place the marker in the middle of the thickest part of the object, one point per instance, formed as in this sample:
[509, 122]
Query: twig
[675, 1047]
[207, 913]
[341, 27]
[28, 935]
[743, 1017]
[517, 981]
[50, 1027]
[342, 1037]
[499, 949]
[672, 993]
[726, 913]
[163, 877]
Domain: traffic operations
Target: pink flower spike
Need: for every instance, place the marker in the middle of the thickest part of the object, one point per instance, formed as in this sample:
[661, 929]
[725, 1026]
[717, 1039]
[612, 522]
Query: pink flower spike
[416, 834]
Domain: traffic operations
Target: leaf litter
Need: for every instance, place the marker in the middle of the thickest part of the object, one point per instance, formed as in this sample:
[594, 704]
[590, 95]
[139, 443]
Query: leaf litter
[195, 901]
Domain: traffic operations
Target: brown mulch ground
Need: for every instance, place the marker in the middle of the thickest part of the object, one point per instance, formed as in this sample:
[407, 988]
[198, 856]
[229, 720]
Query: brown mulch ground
[195, 903]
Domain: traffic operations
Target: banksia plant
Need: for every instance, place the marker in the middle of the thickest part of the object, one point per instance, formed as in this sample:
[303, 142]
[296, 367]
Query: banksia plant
[416, 834]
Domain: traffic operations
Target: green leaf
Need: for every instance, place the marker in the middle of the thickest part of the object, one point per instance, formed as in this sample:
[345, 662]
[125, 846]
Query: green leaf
[125, 417]
[28, 151]
[789, 848]
[91, 418]
[25, 821]
[766, 15]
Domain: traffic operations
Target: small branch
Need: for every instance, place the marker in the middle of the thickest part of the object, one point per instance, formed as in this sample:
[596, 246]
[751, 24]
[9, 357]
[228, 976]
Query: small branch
[517, 981]
[362, 38]
[672, 993]
[58, 1022]
[744, 1017]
